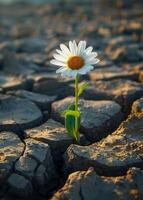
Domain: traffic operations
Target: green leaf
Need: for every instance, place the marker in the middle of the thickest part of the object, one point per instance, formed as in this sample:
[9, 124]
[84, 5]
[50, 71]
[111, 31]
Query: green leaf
[70, 120]
[82, 88]
[72, 113]
[71, 107]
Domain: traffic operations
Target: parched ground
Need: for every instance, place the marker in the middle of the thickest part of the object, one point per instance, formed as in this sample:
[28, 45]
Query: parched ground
[38, 160]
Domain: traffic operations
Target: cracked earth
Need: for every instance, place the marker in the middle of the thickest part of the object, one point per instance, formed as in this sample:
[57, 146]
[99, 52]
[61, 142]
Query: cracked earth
[38, 160]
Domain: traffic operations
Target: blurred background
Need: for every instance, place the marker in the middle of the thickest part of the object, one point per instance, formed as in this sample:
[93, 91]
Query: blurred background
[31, 30]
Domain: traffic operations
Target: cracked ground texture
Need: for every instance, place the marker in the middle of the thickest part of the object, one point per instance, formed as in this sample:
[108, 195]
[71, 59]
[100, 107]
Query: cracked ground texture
[38, 160]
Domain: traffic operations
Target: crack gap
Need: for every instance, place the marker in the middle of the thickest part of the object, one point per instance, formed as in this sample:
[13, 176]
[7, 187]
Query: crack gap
[80, 192]
[22, 140]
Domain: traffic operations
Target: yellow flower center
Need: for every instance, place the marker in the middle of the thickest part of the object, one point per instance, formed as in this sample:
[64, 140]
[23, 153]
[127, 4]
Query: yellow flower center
[75, 62]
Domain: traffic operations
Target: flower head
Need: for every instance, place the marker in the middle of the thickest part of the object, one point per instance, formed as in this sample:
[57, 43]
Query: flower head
[75, 59]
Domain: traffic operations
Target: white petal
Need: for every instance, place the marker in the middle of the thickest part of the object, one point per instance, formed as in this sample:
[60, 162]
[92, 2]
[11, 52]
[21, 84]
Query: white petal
[69, 73]
[93, 62]
[79, 47]
[65, 49]
[61, 69]
[90, 67]
[56, 62]
[86, 69]
[66, 73]
[91, 56]
[61, 53]
[59, 57]
[71, 47]
[75, 47]
[89, 59]
[83, 71]
[95, 53]
[88, 50]
[74, 73]
[83, 46]
[85, 56]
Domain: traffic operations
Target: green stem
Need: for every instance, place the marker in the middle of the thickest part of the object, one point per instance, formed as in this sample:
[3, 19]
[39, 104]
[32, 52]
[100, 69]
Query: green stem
[76, 108]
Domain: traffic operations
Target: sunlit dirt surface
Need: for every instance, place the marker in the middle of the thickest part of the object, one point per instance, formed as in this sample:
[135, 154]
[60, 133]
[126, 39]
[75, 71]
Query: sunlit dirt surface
[36, 154]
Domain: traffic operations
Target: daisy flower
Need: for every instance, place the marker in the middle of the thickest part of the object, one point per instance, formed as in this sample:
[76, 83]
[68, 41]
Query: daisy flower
[75, 59]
